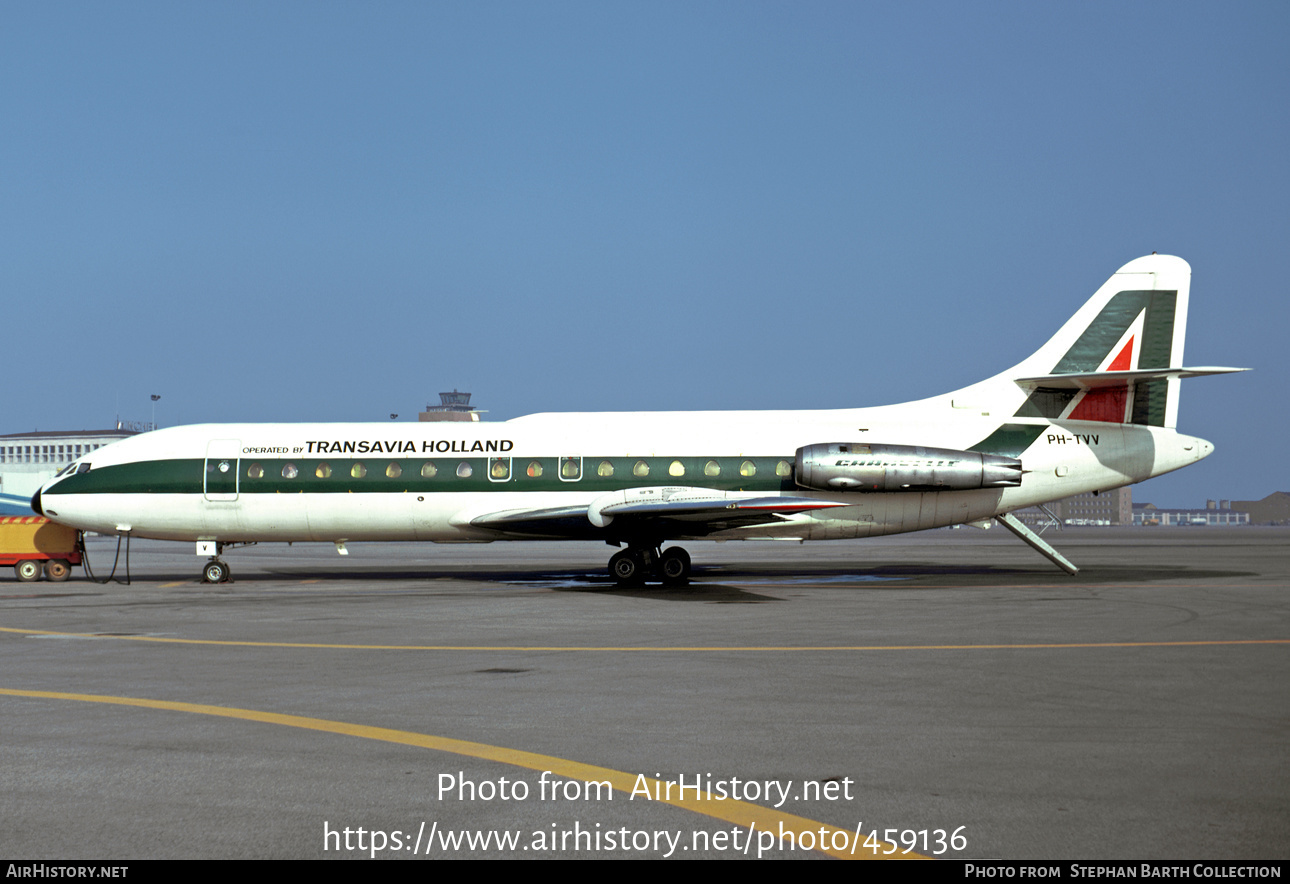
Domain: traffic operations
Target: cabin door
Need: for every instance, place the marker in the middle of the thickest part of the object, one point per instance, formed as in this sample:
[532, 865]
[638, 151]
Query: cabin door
[220, 476]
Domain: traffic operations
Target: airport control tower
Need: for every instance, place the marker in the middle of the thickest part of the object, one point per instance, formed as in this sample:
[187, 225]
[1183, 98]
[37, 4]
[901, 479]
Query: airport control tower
[454, 406]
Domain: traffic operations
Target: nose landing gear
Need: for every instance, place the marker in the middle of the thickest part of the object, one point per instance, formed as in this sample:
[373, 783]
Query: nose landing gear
[636, 564]
[215, 572]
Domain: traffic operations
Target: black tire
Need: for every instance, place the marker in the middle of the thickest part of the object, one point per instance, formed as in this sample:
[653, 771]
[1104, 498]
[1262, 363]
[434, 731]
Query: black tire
[57, 570]
[626, 569]
[674, 566]
[28, 570]
[215, 572]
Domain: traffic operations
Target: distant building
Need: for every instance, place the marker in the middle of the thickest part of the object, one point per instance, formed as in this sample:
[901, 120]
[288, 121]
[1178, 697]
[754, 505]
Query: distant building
[29, 460]
[1149, 515]
[1116, 507]
[1271, 510]
[1113, 507]
[454, 406]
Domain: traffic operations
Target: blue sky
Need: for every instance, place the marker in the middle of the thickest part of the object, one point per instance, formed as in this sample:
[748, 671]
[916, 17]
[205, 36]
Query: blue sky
[332, 211]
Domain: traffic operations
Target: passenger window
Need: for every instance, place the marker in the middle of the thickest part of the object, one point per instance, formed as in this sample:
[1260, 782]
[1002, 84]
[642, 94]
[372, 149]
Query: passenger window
[641, 469]
[323, 471]
[254, 471]
[289, 471]
[535, 470]
[464, 470]
[358, 471]
[712, 468]
[570, 469]
[499, 468]
[428, 470]
[393, 471]
[676, 469]
[605, 469]
[747, 468]
[783, 469]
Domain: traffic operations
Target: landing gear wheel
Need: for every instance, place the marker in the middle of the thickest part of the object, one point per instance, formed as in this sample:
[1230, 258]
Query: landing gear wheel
[28, 570]
[674, 567]
[57, 570]
[215, 572]
[627, 568]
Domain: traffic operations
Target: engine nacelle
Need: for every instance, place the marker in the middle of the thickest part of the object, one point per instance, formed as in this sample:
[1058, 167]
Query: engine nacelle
[853, 466]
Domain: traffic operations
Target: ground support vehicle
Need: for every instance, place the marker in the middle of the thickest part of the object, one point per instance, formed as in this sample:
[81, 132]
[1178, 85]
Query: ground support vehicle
[34, 546]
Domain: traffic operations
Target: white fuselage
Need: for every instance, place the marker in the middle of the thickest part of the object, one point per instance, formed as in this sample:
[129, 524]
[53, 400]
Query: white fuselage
[1093, 408]
[203, 500]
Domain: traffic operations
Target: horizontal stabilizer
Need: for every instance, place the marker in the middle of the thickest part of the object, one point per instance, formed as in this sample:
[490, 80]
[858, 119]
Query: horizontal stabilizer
[1093, 380]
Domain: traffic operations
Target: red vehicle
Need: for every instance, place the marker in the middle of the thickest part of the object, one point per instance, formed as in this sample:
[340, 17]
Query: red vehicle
[33, 544]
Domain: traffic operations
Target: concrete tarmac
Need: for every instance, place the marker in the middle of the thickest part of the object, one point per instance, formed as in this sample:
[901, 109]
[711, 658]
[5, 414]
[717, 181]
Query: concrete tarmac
[951, 687]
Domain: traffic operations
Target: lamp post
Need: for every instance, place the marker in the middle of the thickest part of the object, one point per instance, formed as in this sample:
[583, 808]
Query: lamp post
[155, 397]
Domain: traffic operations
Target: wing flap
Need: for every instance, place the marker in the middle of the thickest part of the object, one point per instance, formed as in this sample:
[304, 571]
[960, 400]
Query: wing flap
[661, 511]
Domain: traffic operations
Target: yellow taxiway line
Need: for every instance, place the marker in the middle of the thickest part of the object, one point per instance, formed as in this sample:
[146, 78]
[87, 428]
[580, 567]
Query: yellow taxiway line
[740, 813]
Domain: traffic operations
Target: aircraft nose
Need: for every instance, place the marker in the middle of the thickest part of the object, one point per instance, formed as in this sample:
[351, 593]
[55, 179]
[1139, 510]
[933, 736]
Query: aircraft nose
[35, 503]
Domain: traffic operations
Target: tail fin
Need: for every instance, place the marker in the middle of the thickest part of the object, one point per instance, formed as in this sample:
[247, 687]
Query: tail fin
[1119, 358]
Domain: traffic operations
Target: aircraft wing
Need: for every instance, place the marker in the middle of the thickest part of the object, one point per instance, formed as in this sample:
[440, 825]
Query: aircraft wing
[666, 512]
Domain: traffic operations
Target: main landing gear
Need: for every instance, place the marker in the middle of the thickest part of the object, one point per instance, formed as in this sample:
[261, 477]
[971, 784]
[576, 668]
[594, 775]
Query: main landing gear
[636, 564]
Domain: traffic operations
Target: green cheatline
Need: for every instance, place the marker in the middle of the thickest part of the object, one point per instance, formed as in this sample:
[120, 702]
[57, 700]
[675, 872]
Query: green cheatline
[264, 476]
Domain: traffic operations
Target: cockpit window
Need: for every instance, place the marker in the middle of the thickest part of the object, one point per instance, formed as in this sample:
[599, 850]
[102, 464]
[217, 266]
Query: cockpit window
[84, 467]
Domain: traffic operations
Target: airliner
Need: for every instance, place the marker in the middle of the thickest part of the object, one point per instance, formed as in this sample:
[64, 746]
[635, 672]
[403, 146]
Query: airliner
[1095, 408]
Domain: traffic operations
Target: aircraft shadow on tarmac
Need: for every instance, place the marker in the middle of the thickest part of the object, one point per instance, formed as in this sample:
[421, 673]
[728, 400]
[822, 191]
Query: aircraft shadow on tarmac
[728, 583]
[874, 575]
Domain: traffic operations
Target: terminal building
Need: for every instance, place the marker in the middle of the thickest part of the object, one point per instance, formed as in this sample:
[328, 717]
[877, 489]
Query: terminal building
[1116, 507]
[29, 460]
[1215, 513]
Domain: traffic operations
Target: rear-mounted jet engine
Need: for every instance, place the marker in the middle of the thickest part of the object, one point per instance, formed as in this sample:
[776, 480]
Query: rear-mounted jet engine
[846, 466]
